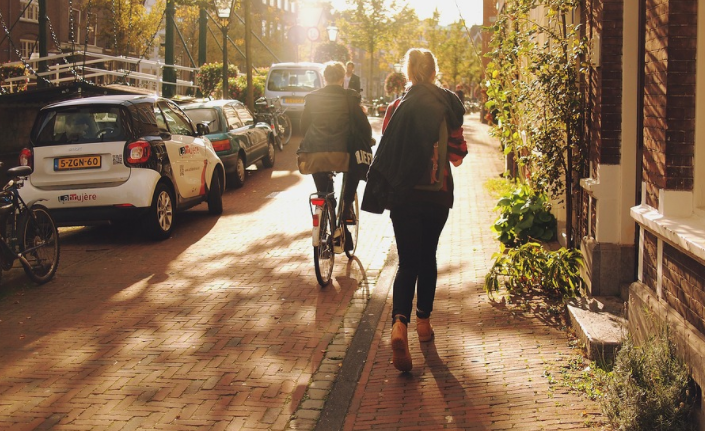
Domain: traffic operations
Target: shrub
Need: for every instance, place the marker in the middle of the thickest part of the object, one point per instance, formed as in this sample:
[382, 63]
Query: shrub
[532, 267]
[649, 387]
[525, 215]
[210, 77]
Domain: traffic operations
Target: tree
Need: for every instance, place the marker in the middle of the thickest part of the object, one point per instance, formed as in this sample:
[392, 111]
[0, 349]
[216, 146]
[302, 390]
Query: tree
[133, 28]
[332, 51]
[370, 23]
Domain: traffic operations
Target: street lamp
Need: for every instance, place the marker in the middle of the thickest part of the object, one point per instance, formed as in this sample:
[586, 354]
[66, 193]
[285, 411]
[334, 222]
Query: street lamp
[224, 8]
[397, 67]
[332, 33]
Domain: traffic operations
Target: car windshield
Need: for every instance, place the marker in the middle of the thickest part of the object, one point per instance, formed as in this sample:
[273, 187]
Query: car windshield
[204, 115]
[293, 80]
[78, 124]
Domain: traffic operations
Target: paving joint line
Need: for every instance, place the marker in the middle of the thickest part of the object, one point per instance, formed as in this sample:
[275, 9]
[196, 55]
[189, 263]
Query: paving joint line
[325, 404]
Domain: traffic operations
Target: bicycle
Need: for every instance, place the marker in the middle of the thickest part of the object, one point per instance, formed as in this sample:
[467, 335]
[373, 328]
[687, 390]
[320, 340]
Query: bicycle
[328, 232]
[28, 233]
[269, 111]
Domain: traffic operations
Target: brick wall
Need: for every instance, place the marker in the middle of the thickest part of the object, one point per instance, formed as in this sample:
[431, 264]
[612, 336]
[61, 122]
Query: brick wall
[684, 286]
[669, 96]
[611, 70]
[649, 275]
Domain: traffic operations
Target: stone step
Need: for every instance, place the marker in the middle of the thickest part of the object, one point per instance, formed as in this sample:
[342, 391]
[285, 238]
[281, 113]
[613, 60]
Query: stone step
[599, 323]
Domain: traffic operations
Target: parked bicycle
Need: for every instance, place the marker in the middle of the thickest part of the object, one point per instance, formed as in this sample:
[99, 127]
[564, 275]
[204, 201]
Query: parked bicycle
[329, 231]
[28, 233]
[270, 111]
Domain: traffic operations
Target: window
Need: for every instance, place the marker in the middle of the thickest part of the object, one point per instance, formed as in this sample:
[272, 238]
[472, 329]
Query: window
[75, 29]
[31, 12]
[230, 113]
[205, 115]
[27, 47]
[177, 122]
[245, 115]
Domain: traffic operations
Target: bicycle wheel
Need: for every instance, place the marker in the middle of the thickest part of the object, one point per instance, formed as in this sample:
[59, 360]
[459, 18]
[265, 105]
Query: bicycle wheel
[39, 244]
[324, 254]
[285, 128]
[354, 227]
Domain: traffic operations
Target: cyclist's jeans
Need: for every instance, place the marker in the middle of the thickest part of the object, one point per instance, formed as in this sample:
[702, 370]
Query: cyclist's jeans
[324, 184]
[417, 228]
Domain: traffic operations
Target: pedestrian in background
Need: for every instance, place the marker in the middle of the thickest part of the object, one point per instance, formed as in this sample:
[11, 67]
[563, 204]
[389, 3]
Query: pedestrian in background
[326, 125]
[410, 176]
[461, 94]
[352, 81]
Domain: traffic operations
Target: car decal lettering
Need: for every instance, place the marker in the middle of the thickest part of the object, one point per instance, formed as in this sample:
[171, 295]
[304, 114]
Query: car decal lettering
[203, 178]
[77, 197]
[188, 150]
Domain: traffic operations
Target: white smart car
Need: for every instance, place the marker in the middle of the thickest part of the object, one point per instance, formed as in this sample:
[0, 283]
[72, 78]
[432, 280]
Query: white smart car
[112, 158]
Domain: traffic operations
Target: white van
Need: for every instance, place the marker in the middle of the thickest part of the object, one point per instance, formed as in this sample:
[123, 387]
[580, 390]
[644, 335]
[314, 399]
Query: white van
[291, 82]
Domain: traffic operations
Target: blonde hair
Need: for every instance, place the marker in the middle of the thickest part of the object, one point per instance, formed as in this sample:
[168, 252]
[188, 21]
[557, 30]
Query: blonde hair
[420, 66]
[334, 72]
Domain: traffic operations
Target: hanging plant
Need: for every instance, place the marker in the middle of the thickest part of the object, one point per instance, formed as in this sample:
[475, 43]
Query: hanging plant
[13, 71]
[394, 83]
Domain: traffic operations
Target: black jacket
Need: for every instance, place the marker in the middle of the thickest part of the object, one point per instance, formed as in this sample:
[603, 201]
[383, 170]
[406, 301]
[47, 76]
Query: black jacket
[354, 83]
[407, 144]
[325, 120]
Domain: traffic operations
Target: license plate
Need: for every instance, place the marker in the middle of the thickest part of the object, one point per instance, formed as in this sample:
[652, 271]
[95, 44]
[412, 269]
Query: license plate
[71, 163]
[299, 100]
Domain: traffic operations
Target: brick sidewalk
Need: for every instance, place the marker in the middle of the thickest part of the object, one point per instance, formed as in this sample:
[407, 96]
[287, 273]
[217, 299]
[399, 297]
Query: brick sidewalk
[491, 366]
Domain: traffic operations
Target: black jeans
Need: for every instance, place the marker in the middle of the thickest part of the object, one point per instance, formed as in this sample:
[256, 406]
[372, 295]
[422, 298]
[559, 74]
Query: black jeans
[417, 228]
[324, 184]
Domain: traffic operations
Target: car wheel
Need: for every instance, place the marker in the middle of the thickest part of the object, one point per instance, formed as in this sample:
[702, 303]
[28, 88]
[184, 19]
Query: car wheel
[159, 222]
[215, 194]
[268, 160]
[240, 173]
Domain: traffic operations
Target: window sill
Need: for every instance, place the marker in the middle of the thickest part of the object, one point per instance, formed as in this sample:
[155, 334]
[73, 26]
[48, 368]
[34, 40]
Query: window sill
[685, 232]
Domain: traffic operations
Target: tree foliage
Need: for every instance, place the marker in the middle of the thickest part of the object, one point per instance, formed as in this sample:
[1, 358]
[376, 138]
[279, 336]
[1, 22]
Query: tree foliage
[533, 91]
[133, 27]
[332, 51]
[371, 23]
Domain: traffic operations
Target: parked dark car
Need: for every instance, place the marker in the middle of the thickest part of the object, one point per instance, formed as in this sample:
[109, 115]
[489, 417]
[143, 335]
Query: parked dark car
[237, 137]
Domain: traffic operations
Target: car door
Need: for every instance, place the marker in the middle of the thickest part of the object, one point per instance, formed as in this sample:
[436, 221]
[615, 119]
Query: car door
[186, 153]
[258, 140]
[236, 129]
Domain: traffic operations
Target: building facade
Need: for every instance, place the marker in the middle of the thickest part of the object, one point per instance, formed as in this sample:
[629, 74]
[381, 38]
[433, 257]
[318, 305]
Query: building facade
[643, 200]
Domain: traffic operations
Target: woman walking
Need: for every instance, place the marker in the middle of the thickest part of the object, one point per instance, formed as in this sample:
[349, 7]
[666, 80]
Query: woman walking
[410, 176]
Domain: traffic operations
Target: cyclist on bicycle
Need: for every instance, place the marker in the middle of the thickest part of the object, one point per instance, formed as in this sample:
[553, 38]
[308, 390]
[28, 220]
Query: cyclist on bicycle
[325, 122]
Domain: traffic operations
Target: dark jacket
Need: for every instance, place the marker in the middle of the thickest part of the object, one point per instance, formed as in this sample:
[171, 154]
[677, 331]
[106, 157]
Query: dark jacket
[354, 83]
[325, 123]
[407, 145]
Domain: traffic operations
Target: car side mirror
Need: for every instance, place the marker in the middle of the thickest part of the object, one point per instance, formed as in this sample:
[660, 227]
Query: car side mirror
[166, 136]
[202, 129]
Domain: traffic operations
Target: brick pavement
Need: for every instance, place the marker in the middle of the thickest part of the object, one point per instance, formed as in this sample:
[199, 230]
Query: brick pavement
[219, 327]
[224, 327]
[492, 365]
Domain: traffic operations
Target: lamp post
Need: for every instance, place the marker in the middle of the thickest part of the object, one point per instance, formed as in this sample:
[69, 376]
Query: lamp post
[224, 8]
[332, 33]
[397, 67]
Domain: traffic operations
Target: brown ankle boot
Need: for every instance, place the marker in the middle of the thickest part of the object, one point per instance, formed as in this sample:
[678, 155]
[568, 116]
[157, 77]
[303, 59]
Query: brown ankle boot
[401, 357]
[424, 329]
